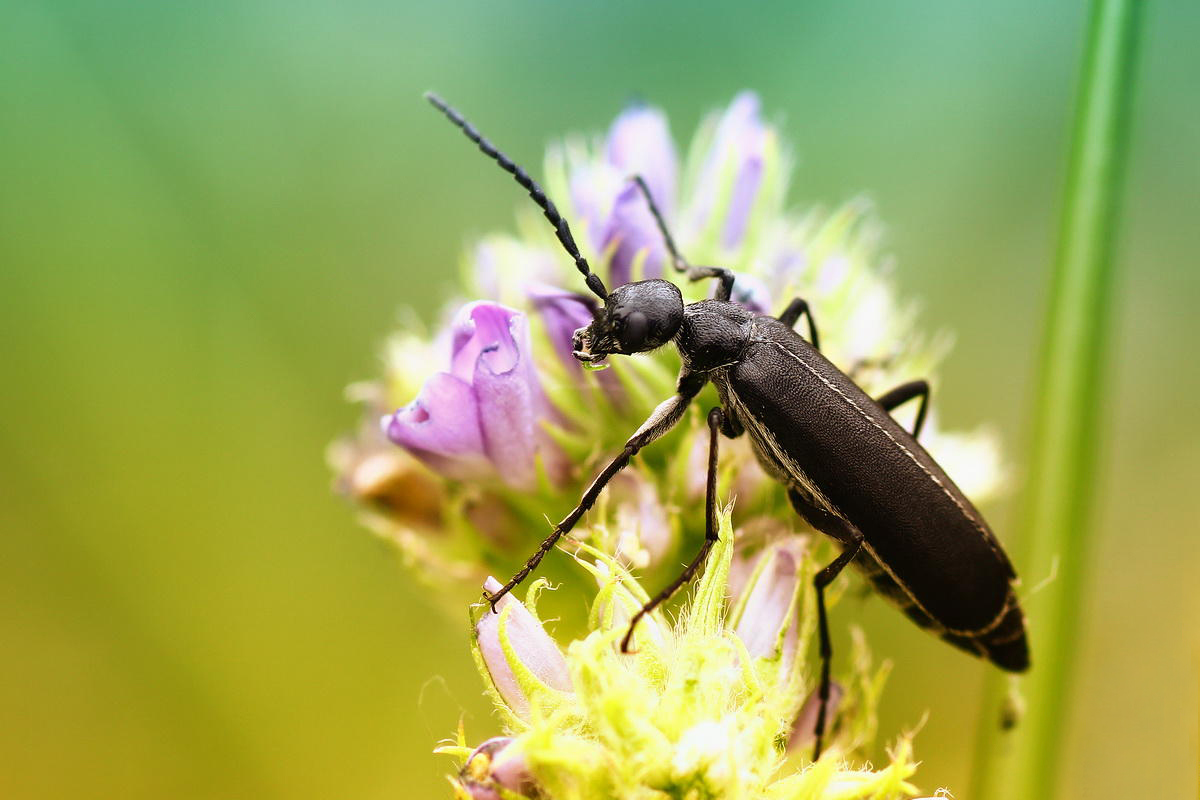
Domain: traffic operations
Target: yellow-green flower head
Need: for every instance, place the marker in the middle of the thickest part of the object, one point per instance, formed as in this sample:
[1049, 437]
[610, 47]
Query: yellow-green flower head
[717, 704]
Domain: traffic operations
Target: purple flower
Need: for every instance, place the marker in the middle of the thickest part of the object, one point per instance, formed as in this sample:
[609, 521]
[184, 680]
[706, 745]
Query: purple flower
[733, 168]
[536, 654]
[481, 417]
[496, 765]
[618, 221]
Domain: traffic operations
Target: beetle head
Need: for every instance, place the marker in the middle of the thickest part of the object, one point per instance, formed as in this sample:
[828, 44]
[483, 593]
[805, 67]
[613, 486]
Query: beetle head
[636, 317]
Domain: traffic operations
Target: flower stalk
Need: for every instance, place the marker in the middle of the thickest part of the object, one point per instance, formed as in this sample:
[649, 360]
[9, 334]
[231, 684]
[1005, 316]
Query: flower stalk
[1069, 400]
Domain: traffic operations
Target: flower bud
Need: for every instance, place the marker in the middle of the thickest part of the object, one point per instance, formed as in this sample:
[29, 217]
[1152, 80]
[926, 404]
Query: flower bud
[768, 621]
[389, 481]
[496, 765]
[520, 658]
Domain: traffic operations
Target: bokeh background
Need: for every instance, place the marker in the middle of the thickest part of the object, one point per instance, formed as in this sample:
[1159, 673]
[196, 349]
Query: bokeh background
[211, 212]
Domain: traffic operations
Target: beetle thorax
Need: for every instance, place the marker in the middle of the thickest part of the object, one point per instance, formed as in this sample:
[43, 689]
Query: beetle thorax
[713, 334]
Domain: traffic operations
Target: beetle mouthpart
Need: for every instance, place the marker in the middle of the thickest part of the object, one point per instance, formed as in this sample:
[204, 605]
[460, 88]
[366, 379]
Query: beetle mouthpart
[581, 347]
[588, 358]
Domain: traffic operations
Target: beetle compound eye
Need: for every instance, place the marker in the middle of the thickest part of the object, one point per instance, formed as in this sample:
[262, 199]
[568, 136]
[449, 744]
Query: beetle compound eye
[633, 334]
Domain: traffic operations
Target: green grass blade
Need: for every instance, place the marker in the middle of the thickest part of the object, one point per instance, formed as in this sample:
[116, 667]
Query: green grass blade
[1058, 499]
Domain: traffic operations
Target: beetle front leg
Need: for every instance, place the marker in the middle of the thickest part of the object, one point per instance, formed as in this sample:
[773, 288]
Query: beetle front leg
[661, 420]
[716, 421]
[725, 289]
[791, 315]
[902, 394]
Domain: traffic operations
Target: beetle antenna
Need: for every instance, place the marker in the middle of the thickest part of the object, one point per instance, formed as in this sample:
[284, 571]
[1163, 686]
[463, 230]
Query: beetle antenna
[561, 229]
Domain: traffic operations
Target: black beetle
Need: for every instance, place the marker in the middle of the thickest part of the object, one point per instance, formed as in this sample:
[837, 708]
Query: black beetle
[850, 469]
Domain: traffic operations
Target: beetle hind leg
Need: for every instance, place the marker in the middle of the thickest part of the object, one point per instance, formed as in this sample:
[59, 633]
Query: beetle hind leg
[851, 540]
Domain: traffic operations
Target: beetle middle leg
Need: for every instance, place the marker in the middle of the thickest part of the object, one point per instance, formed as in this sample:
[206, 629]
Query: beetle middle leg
[725, 276]
[716, 423]
[791, 315]
[851, 540]
[902, 394]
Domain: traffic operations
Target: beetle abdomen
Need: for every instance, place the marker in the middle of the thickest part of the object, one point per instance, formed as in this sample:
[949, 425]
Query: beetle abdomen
[1004, 645]
[815, 428]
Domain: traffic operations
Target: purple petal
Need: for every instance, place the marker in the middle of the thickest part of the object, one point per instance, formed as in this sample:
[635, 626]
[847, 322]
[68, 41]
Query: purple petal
[738, 149]
[617, 218]
[487, 408]
[741, 201]
[633, 231]
[510, 400]
[593, 188]
[490, 348]
[532, 646]
[441, 427]
[619, 223]
[507, 415]
[483, 330]
[639, 143]
[563, 313]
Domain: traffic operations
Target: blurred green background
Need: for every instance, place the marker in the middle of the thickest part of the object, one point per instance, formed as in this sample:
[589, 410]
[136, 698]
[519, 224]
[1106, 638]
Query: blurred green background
[210, 213]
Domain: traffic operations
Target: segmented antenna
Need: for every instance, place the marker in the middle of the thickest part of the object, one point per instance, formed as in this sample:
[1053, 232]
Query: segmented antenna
[561, 229]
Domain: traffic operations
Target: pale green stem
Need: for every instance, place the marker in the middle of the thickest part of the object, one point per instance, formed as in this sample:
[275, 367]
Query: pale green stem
[1057, 531]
